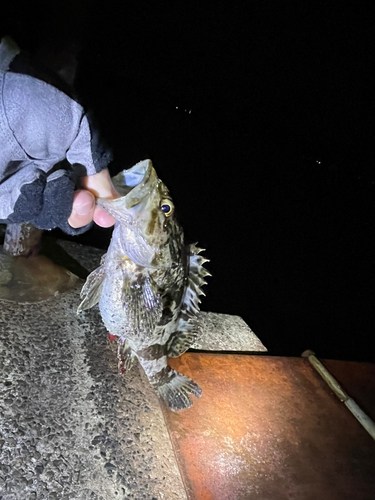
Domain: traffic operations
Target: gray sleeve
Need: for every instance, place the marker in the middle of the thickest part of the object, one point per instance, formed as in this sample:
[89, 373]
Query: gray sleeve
[88, 149]
[50, 126]
[45, 127]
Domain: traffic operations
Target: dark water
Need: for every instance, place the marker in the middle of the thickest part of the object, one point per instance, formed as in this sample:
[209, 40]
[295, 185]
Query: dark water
[260, 121]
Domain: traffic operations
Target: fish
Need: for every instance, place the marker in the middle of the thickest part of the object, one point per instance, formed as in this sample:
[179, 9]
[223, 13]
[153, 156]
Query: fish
[148, 284]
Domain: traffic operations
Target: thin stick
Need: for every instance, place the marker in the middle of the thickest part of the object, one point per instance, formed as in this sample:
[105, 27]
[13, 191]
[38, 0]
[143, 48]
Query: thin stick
[352, 406]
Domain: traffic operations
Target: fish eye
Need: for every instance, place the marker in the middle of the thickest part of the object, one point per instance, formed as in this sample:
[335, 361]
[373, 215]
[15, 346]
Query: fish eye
[166, 207]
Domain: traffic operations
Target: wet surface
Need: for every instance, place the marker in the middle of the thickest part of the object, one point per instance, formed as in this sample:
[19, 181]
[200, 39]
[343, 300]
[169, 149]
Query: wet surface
[269, 428]
[32, 279]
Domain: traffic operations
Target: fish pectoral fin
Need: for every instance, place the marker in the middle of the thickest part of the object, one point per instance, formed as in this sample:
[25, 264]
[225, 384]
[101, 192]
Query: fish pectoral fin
[92, 289]
[142, 303]
[175, 390]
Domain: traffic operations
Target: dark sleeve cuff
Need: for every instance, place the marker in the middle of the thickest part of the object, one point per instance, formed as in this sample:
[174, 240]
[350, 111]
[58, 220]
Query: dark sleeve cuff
[47, 205]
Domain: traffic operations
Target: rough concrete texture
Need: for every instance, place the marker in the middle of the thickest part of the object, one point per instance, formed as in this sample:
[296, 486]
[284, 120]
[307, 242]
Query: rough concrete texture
[70, 426]
[224, 332]
[87, 257]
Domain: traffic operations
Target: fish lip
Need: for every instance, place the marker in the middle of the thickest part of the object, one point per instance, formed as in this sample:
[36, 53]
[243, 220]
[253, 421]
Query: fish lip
[106, 203]
[111, 207]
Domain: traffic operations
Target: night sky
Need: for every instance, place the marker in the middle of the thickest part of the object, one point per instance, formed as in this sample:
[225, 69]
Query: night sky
[259, 117]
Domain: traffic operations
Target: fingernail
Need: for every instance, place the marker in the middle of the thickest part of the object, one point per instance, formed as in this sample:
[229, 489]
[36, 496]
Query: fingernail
[83, 209]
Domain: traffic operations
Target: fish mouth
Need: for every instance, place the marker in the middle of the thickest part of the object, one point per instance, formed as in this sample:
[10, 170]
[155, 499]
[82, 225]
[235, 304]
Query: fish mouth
[127, 179]
[134, 186]
[133, 243]
[134, 211]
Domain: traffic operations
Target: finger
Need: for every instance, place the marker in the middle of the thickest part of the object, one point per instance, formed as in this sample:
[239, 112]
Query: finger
[102, 218]
[83, 209]
[100, 185]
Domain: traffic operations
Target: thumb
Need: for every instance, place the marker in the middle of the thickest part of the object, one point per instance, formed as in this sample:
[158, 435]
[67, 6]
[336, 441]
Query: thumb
[100, 185]
[83, 209]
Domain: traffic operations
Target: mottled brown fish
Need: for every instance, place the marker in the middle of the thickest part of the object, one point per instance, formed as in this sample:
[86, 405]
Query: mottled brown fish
[148, 283]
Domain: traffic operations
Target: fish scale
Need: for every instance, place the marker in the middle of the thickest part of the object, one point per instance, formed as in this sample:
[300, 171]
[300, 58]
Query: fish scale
[148, 284]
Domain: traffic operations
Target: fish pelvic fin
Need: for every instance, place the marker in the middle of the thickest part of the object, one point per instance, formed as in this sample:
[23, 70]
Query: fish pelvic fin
[92, 289]
[174, 388]
[125, 356]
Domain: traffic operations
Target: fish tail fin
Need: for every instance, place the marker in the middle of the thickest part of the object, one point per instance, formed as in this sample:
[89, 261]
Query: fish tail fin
[175, 390]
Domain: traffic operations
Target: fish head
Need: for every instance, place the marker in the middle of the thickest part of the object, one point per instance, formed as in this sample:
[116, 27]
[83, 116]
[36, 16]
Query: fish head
[144, 214]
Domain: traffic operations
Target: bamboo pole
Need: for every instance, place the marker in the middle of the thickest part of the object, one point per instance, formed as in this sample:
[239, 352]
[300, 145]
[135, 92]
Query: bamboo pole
[352, 406]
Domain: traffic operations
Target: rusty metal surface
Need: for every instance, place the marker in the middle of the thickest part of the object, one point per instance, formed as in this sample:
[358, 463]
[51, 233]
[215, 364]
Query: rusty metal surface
[358, 380]
[268, 428]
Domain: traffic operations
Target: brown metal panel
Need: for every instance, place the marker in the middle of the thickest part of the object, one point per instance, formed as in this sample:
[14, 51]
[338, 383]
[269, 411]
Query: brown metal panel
[268, 428]
[358, 380]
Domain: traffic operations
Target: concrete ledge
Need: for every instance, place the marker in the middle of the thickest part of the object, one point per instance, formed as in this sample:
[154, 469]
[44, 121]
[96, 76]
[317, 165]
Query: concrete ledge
[70, 426]
[225, 332]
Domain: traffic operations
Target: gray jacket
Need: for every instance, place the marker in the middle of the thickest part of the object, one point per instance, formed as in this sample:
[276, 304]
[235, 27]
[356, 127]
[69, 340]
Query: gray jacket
[46, 142]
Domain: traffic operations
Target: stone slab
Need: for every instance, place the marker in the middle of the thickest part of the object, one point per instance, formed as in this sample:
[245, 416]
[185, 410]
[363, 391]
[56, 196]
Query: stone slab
[225, 332]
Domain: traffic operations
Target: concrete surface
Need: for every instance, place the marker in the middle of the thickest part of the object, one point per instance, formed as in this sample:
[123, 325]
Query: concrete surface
[71, 427]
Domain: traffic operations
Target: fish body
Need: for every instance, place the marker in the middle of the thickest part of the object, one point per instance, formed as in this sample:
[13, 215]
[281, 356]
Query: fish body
[149, 282]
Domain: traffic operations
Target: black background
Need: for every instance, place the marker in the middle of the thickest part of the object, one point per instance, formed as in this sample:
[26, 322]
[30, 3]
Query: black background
[259, 117]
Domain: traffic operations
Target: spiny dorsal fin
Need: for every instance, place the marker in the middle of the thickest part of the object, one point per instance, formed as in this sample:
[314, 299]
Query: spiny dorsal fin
[196, 280]
[187, 327]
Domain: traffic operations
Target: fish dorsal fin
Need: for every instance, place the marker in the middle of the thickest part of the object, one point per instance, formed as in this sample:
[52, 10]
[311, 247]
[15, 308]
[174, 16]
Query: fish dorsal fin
[187, 328]
[92, 288]
[196, 279]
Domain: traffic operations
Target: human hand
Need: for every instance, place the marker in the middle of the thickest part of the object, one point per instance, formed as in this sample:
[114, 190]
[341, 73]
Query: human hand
[85, 209]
